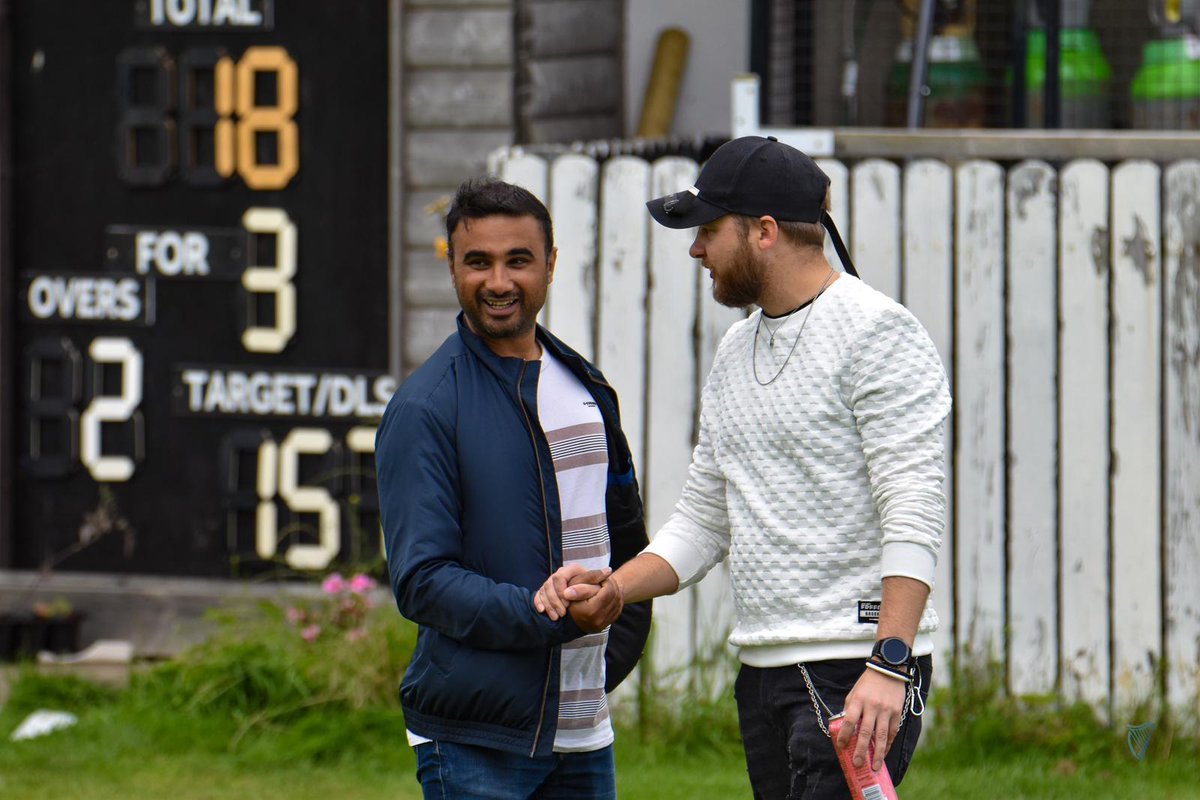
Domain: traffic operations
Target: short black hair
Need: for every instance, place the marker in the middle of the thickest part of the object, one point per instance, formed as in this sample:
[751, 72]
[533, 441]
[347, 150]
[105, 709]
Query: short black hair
[477, 198]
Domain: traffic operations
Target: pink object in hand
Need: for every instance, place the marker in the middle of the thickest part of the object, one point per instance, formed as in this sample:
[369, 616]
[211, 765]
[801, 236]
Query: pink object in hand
[864, 782]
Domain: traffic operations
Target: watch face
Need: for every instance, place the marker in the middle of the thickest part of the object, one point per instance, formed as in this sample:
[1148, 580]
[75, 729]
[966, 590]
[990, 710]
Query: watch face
[894, 651]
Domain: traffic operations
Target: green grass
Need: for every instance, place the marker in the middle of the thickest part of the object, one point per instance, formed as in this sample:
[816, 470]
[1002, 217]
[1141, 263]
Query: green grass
[1034, 775]
[259, 712]
[125, 748]
[122, 748]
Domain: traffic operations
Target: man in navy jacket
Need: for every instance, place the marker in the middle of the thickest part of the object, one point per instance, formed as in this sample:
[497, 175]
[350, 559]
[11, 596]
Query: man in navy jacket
[500, 459]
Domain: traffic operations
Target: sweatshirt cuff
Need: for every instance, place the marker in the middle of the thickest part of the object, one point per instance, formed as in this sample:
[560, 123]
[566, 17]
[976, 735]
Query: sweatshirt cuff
[909, 560]
[689, 563]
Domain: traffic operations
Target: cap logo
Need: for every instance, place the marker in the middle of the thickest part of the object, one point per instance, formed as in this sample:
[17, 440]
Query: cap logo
[669, 205]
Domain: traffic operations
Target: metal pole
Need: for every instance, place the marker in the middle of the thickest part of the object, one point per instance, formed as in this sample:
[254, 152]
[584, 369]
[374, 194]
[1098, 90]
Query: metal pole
[395, 189]
[7, 305]
[1020, 55]
[1052, 116]
[760, 53]
[917, 88]
[803, 66]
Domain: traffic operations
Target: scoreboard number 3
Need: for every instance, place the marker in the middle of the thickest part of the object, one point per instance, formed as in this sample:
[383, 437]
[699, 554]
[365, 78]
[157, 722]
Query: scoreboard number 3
[276, 280]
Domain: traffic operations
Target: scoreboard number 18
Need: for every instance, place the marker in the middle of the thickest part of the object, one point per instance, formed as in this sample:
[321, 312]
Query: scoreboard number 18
[210, 119]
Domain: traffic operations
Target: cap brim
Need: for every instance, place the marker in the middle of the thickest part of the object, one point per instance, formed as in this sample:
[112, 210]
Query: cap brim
[683, 210]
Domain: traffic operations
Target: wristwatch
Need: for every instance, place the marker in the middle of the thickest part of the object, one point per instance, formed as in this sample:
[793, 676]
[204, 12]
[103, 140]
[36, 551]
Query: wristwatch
[893, 652]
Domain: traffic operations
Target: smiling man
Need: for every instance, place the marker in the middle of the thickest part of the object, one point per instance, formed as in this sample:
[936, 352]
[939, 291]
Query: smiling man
[500, 460]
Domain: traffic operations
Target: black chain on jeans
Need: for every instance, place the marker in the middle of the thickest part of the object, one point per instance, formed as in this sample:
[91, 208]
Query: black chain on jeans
[818, 703]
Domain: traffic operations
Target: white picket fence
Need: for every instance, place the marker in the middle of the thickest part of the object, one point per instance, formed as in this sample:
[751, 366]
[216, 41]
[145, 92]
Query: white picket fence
[1066, 306]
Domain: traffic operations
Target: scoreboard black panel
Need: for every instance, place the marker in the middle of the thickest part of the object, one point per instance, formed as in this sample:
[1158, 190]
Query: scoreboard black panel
[197, 273]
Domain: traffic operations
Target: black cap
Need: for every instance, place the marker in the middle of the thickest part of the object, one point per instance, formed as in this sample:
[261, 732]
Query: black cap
[752, 176]
[757, 177]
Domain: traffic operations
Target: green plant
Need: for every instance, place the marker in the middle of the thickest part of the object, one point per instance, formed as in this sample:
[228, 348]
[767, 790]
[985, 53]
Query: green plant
[275, 664]
[976, 717]
[31, 691]
[102, 522]
[58, 608]
[690, 710]
[342, 612]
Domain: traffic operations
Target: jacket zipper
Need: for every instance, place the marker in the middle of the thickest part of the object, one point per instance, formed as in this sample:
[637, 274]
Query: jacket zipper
[537, 734]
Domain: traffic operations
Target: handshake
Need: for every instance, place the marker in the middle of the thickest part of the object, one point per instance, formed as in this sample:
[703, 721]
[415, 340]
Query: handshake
[592, 597]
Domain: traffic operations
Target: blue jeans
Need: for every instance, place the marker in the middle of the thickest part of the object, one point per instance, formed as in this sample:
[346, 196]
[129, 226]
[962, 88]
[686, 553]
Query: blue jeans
[452, 771]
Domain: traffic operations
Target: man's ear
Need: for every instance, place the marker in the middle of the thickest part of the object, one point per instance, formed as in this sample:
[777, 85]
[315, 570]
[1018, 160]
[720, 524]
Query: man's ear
[768, 231]
[550, 262]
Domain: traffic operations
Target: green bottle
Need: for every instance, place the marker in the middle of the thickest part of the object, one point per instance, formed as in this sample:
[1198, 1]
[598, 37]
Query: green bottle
[956, 84]
[1166, 88]
[1085, 80]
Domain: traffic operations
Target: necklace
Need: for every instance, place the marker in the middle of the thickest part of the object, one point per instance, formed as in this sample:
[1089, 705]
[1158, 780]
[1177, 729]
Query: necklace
[754, 347]
[783, 318]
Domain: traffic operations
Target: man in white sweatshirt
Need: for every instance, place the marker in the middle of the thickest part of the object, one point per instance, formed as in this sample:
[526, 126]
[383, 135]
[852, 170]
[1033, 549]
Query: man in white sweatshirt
[818, 474]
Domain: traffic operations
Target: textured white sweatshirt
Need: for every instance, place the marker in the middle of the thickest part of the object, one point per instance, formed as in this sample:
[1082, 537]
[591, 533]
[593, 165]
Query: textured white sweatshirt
[820, 484]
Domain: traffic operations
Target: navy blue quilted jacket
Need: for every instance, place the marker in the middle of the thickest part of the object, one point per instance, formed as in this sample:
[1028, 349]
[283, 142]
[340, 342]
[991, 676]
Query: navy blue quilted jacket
[472, 529]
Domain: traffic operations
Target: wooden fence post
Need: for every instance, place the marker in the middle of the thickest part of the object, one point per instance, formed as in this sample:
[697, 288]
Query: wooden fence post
[1136, 442]
[875, 219]
[1181, 277]
[1032, 428]
[979, 387]
[928, 281]
[671, 404]
[1083, 354]
[574, 207]
[621, 316]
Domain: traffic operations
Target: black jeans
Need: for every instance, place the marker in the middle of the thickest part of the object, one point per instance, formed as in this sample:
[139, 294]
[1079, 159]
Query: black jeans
[787, 755]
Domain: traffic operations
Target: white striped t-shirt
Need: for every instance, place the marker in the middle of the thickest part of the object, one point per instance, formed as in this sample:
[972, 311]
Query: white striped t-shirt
[575, 431]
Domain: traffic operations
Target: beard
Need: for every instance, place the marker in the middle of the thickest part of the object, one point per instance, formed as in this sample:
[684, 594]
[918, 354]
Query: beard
[740, 283]
[487, 327]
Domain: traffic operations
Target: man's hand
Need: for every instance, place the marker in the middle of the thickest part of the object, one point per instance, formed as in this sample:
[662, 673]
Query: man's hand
[600, 610]
[550, 599]
[873, 710]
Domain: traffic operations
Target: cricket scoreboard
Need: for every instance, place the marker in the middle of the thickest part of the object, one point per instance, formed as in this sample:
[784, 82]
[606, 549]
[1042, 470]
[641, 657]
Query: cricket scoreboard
[197, 272]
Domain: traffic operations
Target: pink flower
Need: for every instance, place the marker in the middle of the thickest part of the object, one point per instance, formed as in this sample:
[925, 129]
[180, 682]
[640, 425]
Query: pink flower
[356, 634]
[361, 584]
[295, 615]
[334, 584]
[311, 632]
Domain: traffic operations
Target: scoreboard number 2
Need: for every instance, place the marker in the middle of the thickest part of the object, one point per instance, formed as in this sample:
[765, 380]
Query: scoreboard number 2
[105, 409]
[54, 384]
